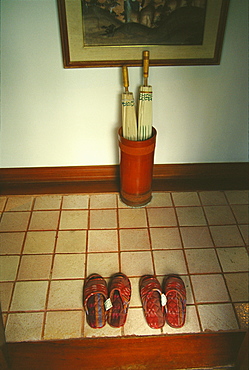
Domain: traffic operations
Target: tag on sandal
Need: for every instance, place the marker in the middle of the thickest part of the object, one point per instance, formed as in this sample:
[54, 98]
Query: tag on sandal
[163, 299]
[108, 304]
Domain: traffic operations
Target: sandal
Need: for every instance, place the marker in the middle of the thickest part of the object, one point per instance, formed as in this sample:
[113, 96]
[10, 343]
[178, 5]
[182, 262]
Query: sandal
[94, 295]
[174, 289]
[119, 294]
[151, 296]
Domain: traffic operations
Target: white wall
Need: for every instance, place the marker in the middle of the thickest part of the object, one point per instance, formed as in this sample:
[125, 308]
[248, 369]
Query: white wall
[57, 117]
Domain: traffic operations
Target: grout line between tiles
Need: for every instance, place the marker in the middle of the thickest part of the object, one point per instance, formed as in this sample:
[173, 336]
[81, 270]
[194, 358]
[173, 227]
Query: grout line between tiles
[237, 223]
[188, 274]
[217, 255]
[186, 262]
[118, 234]
[86, 262]
[150, 241]
[51, 271]
[20, 254]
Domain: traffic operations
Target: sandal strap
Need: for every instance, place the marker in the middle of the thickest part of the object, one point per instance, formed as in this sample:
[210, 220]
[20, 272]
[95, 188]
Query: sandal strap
[94, 285]
[152, 306]
[175, 308]
[121, 283]
[175, 285]
[152, 284]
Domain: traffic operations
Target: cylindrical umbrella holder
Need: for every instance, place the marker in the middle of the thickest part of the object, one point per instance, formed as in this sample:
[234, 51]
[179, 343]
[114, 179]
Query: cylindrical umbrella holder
[136, 169]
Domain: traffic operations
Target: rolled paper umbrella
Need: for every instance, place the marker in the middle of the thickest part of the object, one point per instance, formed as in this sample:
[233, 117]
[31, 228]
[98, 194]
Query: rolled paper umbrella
[129, 119]
[145, 103]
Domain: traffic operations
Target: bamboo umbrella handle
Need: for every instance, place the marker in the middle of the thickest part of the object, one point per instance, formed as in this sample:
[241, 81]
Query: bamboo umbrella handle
[125, 78]
[146, 66]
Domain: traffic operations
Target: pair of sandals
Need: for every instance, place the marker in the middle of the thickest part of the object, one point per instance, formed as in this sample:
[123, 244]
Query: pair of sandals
[163, 304]
[159, 304]
[101, 306]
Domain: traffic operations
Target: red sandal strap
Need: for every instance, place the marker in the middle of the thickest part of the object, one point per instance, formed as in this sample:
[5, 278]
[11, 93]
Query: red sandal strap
[94, 284]
[121, 283]
[175, 292]
[153, 310]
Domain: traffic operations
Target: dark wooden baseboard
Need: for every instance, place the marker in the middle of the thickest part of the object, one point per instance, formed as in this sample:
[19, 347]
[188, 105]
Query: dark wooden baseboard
[92, 179]
[146, 353]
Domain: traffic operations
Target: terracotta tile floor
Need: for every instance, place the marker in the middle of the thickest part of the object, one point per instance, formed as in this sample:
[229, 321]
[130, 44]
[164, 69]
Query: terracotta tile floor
[50, 243]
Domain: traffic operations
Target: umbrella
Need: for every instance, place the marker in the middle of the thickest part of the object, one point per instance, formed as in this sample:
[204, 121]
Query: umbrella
[129, 120]
[145, 103]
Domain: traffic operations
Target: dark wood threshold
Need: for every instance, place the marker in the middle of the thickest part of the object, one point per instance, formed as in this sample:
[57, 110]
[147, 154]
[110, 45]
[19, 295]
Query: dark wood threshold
[138, 353]
[94, 179]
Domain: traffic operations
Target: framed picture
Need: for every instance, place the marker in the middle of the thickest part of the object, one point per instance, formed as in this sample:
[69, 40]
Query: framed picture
[110, 33]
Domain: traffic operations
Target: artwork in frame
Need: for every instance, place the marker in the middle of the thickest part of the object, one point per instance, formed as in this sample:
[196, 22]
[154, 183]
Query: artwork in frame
[109, 33]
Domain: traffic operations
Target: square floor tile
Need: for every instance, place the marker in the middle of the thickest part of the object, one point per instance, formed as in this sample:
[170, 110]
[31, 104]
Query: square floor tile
[134, 239]
[105, 264]
[102, 241]
[202, 261]
[225, 236]
[29, 296]
[169, 262]
[24, 326]
[233, 259]
[135, 294]
[217, 317]
[35, 267]
[136, 263]
[14, 221]
[72, 241]
[131, 218]
[65, 294]
[241, 212]
[98, 201]
[160, 200]
[136, 324]
[209, 288]
[242, 310]
[219, 215]
[244, 229]
[190, 216]
[103, 219]
[106, 331]
[191, 323]
[68, 266]
[189, 294]
[211, 198]
[2, 203]
[165, 238]
[48, 202]
[237, 284]
[19, 203]
[161, 217]
[63, 325]
[39, 242]
[44, 220]
[237, 196]
[11, 243]
[196, 237]
[9, 266]
[75, 201]
[186, 199]
[5, 294]
[74, 219]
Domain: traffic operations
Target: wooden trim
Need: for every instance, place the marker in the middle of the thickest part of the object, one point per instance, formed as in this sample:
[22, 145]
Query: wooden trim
[154, 352]
[78, 179]
[242, 362]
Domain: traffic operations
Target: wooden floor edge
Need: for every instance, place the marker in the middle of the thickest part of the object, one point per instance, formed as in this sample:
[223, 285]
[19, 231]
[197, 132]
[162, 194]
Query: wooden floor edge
[81, 179]
[152, 352]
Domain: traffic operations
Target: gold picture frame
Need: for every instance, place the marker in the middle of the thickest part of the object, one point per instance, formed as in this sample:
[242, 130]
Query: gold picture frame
[78, 55]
